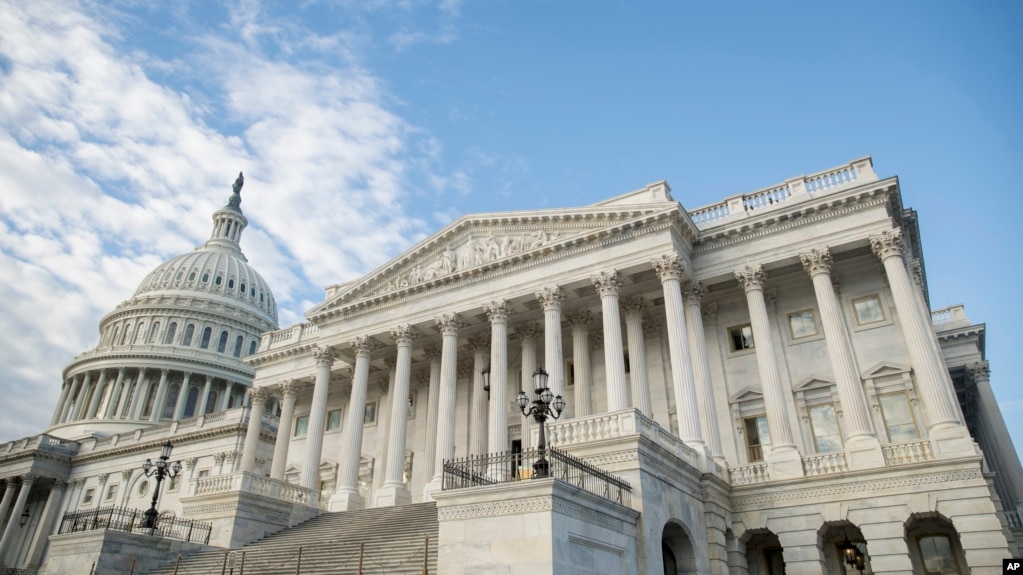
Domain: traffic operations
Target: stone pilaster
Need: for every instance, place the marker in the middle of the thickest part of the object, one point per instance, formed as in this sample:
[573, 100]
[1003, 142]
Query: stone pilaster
[692, 297]
[784, 457]
[257, 402]
[551, 299]
[393, 491]
[289, 394]
[580, 320]
[324, 356]
[448, 324]
[669, 271]
[608, 285]
[638, 376]
[497, 436]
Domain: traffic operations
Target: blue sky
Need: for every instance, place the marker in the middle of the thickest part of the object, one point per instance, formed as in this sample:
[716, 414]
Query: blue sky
[365, 126]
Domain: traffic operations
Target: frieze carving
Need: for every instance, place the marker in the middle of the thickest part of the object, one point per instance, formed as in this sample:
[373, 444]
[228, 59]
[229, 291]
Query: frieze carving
[491, 509]
[817, 261]
[751, 277]
[607, 283]
[887, 244]
[189, 463]
[551, 297]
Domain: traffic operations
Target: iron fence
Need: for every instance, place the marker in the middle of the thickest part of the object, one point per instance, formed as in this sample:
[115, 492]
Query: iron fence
[134, 521]
[509, 466]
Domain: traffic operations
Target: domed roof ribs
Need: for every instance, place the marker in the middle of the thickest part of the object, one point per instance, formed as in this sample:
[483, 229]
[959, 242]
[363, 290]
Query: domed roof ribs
[228, 223]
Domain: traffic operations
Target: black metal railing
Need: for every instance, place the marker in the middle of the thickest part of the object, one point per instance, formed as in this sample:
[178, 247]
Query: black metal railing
[134, 521]
[13, 571]
[508, 466]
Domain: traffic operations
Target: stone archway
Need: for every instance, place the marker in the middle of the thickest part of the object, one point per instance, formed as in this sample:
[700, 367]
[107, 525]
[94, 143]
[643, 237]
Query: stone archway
[832, 538]
[677, 552]
[934, 544]
[764, 553]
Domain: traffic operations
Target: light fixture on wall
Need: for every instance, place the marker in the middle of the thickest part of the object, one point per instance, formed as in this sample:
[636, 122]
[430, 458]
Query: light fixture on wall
[23, 519]
[486, 380]
[546, 405]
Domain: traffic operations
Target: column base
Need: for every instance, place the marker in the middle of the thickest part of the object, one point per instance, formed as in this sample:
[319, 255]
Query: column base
[430, 488]
[785, 463]
[864, 453]
[393, 495]
[951, 441]
[346, 500]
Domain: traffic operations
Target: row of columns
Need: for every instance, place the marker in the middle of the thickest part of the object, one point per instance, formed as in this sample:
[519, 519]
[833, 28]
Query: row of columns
[82, 396]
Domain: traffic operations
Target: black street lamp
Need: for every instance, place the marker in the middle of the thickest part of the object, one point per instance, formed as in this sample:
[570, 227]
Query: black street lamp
[544, 406]
[163, 470]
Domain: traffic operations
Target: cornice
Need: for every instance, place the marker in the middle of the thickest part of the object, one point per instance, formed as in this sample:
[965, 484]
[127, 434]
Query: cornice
[179, 439]
[796, 215]
[236, 316]
[138, 356]
[263, 358]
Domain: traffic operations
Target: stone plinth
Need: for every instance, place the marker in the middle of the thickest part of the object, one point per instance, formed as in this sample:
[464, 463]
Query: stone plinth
[112, 552]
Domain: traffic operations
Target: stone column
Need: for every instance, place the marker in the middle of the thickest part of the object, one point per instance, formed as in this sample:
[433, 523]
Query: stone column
[289, 391]
[947, 433]
[393, 491]
[324, 356]
[83, 395]
[138, 395]
[58, 412]
[204, 400]
[179, 409]
[669, 271]
[224, 401]
[551, 299]
[115, 396]
[638, 376]
[784, 457]
[69, 403]
[257, 402]
[449, 324]
[1006, 461]
[346, 493]
[692, 295]
[433, 354]
[5, 503]
[97, 395]
[19, 507]
[608, 285]
[583, 401]
[51, 511]
[161, 397]
[862, 447]
[480, 344]
[527, 335]
[123, 403]
[497, 436]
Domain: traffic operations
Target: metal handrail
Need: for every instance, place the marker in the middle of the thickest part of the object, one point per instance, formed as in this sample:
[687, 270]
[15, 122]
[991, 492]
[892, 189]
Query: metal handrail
[133, 521]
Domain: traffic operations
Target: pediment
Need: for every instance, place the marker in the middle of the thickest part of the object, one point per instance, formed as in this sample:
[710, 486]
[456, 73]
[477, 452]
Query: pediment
[481, 242]
[884, 368]
[746, 395]
[812, 382]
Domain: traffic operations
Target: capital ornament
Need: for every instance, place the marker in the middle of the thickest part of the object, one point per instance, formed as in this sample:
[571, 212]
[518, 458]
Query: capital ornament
[550, 297]
[527, 330]
[404, 334]
[289, 388]
[324, 355]
[817, 261]
[751, 277]
[479, 342]
[668, 266]
[692, 293]
[607, 283]
[432, 352]
[888, 244]
[579, 318]
[125, 474]
[258, 395]
[979, 371]
[449, 323]
[632, 305]
[497, 311]
[363, 345]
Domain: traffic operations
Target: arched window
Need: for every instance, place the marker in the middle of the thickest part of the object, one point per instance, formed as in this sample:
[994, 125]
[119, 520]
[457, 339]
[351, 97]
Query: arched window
[211, 403]
[190, 403]
[207, 333]
[172, 329]
[252, 347]
[238, 346]
[189, 332]
[171, 402]
[117, 332]
[139, 332]
[154, 330]
[222, 344]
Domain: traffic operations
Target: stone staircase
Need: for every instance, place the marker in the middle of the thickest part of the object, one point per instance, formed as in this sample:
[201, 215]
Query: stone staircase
[390, 540]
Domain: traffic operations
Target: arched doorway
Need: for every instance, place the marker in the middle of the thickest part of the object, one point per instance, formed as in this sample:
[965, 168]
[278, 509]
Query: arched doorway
[764, 553]
[677, 550]
[844, 548]
[934, 545]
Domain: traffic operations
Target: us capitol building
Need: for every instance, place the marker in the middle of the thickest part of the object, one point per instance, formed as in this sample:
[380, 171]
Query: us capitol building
[758, 386]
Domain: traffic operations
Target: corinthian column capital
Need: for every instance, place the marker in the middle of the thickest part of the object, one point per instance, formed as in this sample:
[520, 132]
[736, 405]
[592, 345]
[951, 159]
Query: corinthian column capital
[550, 297]
[887, 244]
[363, 345]
[324, 355]
[978, 371]
[432, 352]
[607, 283]
[497, 310]
[692, 293]
[751, 277]
[817, 261]
[449, 323]
[526, 330]
[668, 266]
[404, 334]
[258, 395]
[289, 388]
[479, 342]
[632, 305]
[579, 318]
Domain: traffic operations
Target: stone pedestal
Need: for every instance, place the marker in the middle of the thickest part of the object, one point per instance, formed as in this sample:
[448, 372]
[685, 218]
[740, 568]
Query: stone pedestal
[864, 454]
[112, 552]
[785, 463]
[951, 441]
[390, 495]
[346, 500]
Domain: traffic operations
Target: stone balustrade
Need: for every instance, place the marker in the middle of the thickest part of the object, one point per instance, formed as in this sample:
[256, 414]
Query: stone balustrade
[916, 451]
[42, 443]
[953, 314]
[257, 485]
[825, 464]
[288, 336]
[752, 474]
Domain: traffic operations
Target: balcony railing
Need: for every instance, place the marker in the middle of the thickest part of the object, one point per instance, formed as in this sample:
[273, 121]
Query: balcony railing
[506, 467]
[133, 521]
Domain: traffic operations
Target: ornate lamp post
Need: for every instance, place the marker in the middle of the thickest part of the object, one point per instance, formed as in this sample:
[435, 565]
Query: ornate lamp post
[544, 406]
[163, 469]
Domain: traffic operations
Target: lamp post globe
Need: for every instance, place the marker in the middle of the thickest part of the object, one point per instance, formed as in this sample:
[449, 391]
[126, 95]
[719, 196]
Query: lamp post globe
[545, 405]
[163, 469]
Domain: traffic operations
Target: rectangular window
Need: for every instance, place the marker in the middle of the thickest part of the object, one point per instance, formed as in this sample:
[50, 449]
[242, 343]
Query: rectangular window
[757, 437]
[333, 420]
[741, 337]
[301, 426]
[204, 473]
[868, 309]
[937, 555]
[111, 492]
[898, 417]
[826, 435]
[89, 495]
[370, 414]
[173, 483]
[802, 324]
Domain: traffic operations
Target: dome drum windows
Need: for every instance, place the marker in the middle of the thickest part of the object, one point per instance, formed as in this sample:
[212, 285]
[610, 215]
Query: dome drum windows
[238, 345]
[205, 277]
[172, 329]
[204, 342]
[230, 283]
[186, 340]
[222, 342]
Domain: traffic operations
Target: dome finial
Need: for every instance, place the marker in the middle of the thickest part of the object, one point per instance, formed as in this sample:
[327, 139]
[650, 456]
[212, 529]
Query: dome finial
[235, 201]
[237, 187]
